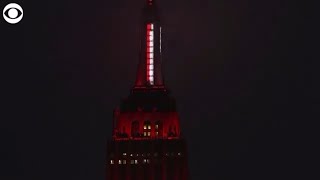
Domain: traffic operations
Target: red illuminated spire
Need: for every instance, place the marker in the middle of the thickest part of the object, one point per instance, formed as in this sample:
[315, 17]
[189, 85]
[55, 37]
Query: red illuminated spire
[149, 70]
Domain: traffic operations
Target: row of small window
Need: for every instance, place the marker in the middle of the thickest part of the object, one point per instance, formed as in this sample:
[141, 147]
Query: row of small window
[148, 134]
[155, 154]
[145, 161]
[149, 126]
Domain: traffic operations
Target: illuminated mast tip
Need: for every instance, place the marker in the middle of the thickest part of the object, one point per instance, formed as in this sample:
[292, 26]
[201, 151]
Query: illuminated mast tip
[150, 53]
[149, 69]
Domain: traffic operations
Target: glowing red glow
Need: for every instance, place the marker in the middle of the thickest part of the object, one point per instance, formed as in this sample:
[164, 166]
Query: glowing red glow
[148, 125]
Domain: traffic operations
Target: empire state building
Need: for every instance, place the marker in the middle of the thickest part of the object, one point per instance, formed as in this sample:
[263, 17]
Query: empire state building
[146, 143]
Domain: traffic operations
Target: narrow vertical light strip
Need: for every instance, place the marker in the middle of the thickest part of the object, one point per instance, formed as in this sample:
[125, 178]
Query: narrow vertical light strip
[160, 39]
[149, 53]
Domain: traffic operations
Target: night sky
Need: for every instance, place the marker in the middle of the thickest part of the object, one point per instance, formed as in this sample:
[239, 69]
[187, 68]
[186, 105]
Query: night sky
[244, 75]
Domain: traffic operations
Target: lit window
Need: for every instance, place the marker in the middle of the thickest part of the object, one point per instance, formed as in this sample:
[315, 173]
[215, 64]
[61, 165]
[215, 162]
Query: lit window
[151, 26]
[111, 162]
[124, 154]
[146, 161]
[144, 127]
[179, 154]
[151, 55]
[131, 155]
[151, 37]
[136, 161]
[150, 67]
[147, 124]
[150, 49]
[124, 162]
[157, 126]
[157, 133]
[119, 161]
[137, 154]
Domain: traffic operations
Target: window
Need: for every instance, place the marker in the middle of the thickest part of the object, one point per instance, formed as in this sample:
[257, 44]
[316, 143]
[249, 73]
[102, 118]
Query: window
[124, 162]
[135, 129]
[124, 154]
[158, 128]
[111, 161]
[172, 131]
[146, 161]
[132, 161]
[147, 129]
[120, 162]
[136, 161]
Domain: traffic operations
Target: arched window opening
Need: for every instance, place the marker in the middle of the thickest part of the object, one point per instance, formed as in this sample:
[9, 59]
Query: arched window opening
[147, 129]
[135, 129]
[158, 128]
[172, 131]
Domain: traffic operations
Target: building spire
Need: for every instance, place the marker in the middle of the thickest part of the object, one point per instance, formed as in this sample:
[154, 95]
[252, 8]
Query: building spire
[149, 73]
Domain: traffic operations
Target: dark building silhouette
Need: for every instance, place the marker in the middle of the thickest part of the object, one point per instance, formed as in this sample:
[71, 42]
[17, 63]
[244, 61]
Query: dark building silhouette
[147, 143]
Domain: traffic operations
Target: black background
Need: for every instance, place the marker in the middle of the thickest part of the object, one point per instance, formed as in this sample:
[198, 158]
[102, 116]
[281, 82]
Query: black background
[244, 74]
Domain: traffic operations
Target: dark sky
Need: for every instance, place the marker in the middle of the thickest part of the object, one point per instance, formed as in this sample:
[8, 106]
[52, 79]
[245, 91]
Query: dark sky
[244, 74]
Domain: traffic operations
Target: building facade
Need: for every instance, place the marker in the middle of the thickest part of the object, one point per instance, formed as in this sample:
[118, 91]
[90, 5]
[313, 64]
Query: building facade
[146, 142]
